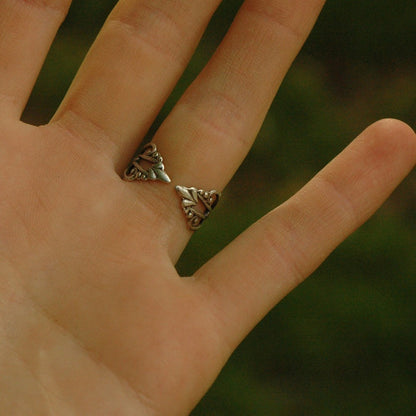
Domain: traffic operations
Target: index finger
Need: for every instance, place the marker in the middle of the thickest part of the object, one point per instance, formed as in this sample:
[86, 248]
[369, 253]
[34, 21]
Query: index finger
[276, 254]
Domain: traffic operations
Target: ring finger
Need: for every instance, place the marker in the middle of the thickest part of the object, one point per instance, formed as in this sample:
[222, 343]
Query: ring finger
[130, 70]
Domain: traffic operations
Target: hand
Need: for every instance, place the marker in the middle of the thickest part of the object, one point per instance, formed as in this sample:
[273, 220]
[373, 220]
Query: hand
[94, 318]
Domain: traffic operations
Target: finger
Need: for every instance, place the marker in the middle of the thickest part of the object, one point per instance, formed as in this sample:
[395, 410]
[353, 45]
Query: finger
[272, 257]
[27, 29]
[130, 70]
[213, 126]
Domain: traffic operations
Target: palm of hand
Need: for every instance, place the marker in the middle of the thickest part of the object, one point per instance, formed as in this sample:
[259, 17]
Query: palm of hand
[86, 271]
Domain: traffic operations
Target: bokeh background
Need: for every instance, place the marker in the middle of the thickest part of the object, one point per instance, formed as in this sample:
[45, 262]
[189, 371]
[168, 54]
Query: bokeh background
[344, 342]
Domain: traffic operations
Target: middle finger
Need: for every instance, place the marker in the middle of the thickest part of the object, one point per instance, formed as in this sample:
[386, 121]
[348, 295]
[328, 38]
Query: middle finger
[212, 127]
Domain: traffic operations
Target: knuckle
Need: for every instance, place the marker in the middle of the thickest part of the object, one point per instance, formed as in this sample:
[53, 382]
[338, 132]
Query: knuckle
[153, 27]
[59, 7]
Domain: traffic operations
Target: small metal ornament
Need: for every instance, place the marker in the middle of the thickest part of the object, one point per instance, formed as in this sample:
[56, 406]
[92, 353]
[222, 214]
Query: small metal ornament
[191, 198]
[156, 170]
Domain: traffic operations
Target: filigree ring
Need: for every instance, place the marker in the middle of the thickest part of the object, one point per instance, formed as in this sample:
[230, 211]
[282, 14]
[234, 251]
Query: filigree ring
[155, 170]
[193, 200]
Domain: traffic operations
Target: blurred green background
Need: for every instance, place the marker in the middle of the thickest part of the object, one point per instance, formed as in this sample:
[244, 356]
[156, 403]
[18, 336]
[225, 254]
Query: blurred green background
[344, 342]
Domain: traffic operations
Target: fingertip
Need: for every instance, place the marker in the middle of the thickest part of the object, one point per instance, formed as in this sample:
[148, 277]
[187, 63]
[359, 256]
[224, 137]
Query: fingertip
[391, 126]
[391, 136]
[388, 147]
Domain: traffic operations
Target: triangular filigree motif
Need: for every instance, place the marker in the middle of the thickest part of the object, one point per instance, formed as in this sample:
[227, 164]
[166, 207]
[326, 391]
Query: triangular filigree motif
[191, 198]
[137, 172]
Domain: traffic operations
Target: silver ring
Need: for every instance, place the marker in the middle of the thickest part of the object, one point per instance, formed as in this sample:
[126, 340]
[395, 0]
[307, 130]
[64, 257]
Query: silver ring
[155, 171]
[192, 199]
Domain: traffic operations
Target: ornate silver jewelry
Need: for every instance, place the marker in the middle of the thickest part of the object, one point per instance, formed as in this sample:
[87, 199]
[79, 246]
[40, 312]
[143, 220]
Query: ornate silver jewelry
[191, 199]
[156, 171]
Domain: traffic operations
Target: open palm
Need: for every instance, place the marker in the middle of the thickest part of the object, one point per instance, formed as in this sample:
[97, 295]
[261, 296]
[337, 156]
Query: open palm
[94, 318]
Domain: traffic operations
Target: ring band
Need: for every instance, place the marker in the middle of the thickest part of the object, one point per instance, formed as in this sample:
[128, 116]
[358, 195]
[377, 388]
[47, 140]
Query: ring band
[156, 171]
[191, 199]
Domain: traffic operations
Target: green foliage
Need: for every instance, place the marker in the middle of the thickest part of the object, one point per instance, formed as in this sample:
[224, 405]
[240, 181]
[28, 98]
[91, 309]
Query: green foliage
[343, 343]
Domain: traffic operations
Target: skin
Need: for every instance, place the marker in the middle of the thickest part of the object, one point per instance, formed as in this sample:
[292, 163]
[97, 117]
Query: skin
[94, 318]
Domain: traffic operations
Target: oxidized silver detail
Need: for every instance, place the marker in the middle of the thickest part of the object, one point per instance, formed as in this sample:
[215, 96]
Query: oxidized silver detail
[191, 198]
[156, 170]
